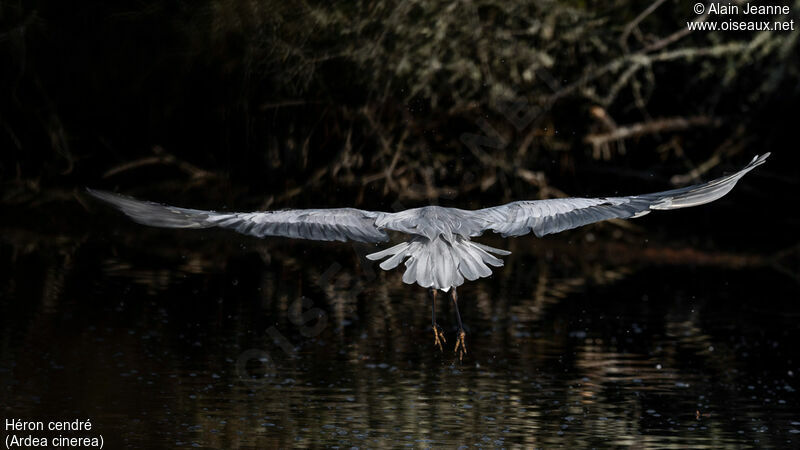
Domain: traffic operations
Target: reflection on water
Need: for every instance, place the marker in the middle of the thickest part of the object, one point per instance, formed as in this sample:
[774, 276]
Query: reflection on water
[168, 339]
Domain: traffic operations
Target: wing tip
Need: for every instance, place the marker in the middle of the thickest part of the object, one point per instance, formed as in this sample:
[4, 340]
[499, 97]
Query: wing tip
[108, 197]
[97, 193]
[759, 159]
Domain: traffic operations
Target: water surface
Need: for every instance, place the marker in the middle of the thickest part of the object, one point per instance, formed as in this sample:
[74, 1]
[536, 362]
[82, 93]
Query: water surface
[206, 339]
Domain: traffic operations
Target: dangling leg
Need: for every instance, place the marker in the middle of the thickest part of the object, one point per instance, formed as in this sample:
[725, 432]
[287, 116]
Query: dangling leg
[460, 344]
[438, 335]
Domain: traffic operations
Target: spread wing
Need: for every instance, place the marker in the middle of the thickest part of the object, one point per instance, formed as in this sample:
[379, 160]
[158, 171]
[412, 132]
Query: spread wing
[340, 224]
[554, 215]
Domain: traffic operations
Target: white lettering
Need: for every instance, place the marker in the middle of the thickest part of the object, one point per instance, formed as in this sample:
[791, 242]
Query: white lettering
[766, 9]
[62, 441]
[20, 425]
[27, 441]
[75, 425]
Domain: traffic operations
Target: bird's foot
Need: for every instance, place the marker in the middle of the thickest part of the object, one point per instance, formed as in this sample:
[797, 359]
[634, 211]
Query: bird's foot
[438, 337]
[461, 346]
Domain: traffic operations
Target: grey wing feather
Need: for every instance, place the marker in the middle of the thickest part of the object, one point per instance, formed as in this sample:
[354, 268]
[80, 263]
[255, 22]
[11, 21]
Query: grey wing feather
[544, 217]
[339, 224]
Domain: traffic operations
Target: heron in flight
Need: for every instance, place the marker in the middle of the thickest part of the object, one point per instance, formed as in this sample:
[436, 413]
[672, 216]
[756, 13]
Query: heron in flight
[439, 253]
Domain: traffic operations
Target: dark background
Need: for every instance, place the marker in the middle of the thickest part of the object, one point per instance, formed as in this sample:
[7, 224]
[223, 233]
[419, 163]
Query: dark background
[260, 104]
[676, 329]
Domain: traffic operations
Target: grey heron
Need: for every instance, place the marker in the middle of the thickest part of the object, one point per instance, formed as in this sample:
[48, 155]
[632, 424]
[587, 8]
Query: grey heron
[440, 253]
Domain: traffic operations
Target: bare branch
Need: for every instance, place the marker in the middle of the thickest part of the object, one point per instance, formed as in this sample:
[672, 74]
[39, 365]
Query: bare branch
[655, 126]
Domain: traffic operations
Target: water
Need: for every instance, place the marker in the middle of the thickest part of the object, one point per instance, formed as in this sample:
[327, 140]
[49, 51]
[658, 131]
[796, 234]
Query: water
[206, 339]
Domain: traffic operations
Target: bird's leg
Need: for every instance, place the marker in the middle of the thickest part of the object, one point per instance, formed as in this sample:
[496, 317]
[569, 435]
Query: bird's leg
[438, 334]
[461, 346]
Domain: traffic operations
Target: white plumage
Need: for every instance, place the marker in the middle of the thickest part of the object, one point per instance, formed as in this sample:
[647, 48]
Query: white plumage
[440, 253]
